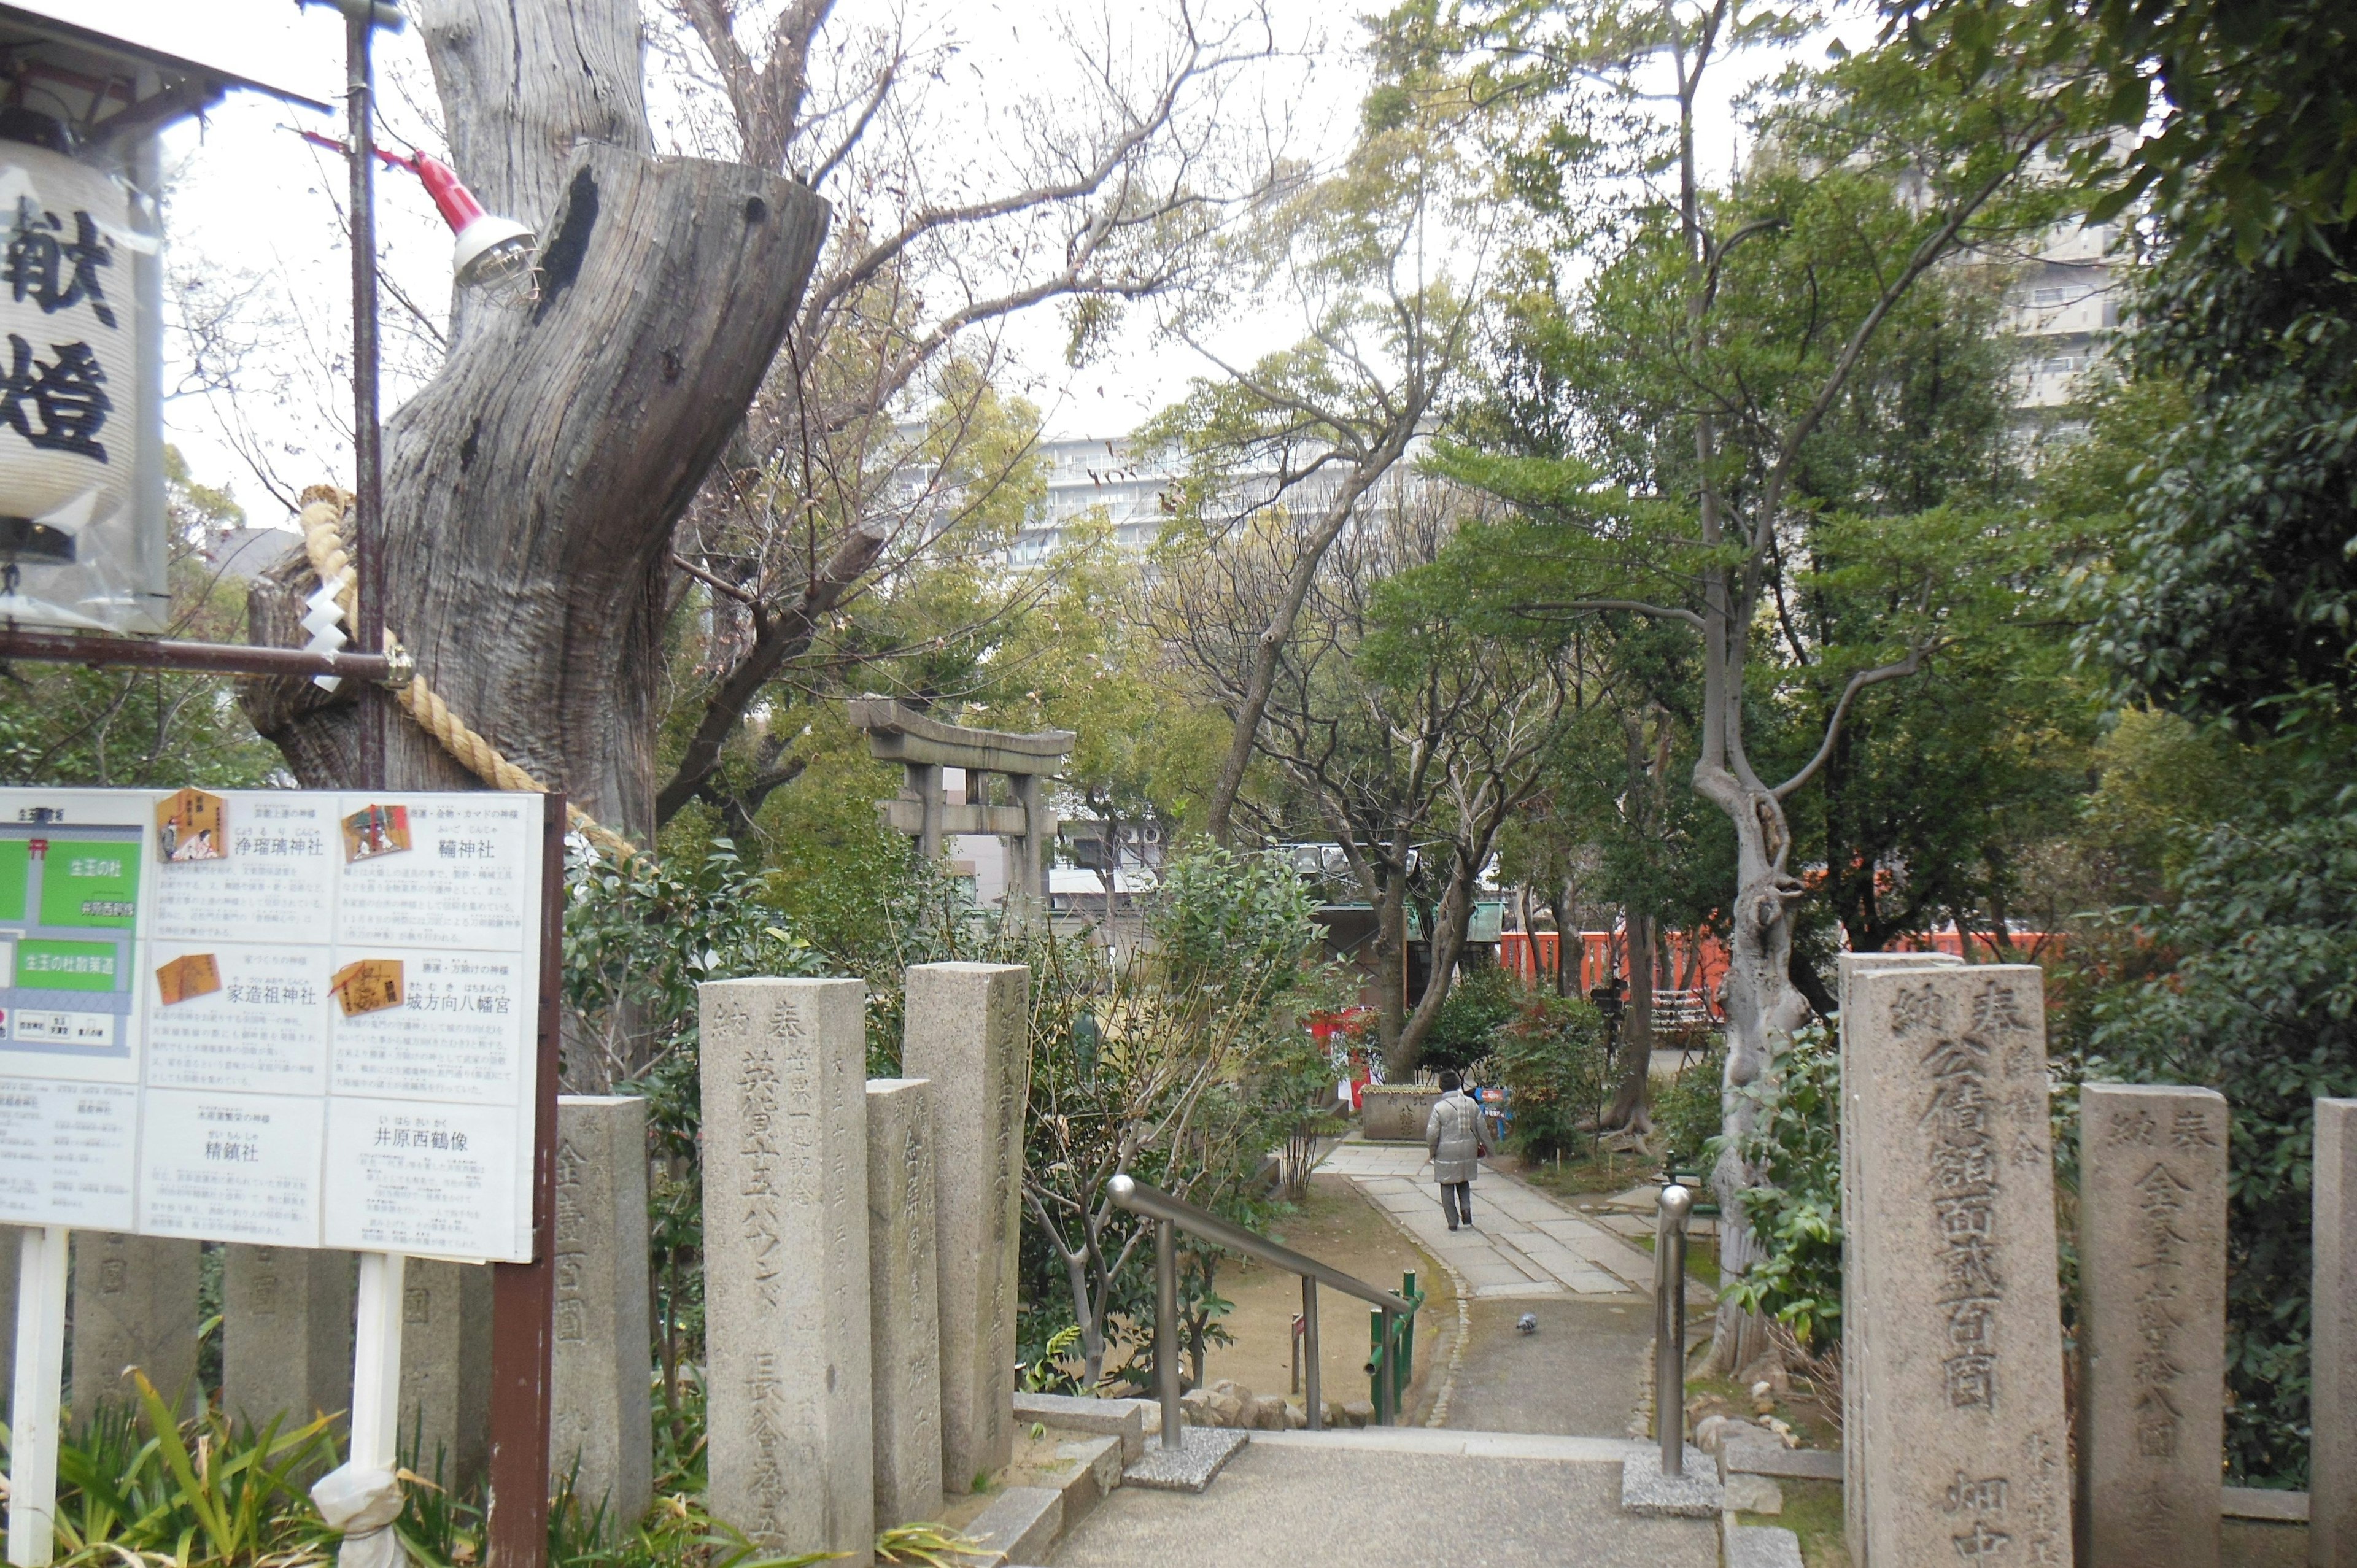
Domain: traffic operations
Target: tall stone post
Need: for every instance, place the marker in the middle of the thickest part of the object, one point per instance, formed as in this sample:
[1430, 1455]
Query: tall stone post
[2332, 1342]
[601, 1429]
[134, 1304]
[2152, 1324]
[1960, 1303]
[1858, 1407]
[445, 1371]
[785, 1263]
[903, 1301]
[968, 1031]
[287, 1334]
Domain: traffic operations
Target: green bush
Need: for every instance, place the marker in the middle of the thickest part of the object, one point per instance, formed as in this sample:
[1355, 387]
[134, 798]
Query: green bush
[2262, 1006]
[1477, 1006]
[1687, 1110]
[1795, 1212]
[1550, 1056]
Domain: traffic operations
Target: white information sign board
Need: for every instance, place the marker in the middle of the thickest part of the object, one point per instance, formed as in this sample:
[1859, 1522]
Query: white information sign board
[295, 1018]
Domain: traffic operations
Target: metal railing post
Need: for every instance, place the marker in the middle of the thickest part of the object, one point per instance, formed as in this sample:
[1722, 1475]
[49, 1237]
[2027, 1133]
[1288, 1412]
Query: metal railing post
[1670, 1326]
[1166, 1330]
[1312, 1398]
[1390, 1332]
[1406, 1375]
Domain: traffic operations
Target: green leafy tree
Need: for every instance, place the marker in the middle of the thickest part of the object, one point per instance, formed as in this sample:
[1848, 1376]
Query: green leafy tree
[1692, 356]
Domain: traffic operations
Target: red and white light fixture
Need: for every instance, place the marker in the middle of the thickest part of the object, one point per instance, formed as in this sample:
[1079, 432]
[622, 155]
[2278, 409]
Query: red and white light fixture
[489, 249]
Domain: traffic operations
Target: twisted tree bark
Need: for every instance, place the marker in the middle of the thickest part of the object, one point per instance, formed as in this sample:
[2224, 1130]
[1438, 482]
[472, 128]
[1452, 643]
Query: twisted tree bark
[530, 488]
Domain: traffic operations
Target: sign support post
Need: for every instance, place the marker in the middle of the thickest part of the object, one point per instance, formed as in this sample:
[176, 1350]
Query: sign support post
[523, 1296]
[33, 1410]
[376, 1362]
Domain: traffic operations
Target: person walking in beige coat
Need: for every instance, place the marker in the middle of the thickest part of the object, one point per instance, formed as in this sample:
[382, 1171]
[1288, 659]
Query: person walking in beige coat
[1457, 1136]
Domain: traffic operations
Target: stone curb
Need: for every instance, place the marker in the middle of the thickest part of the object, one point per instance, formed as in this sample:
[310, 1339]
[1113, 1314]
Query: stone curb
[1775, 1459]
[1021, 1522]
[1762, 1546]
[2257, 1502]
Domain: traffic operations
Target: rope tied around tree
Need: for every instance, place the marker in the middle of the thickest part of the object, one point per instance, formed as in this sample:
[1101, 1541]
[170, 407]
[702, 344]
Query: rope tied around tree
[322, 518]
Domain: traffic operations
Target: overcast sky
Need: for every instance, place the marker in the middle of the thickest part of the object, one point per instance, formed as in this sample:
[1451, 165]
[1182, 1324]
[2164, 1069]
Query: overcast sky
[255, 219]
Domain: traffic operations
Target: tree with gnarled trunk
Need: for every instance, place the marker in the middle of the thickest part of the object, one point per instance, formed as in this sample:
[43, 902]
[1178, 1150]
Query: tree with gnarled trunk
[532, 487]
[672, 422]
[1679, 386]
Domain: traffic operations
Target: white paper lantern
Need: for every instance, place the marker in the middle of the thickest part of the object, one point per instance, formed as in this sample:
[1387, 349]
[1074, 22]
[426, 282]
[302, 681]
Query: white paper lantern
[75, 436]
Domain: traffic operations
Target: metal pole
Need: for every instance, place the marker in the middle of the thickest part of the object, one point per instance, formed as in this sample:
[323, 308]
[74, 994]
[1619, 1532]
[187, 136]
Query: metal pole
[368, 454]
[1310, 1395]
[1670, 1326]
[1165, 1330]
[1386, 1407]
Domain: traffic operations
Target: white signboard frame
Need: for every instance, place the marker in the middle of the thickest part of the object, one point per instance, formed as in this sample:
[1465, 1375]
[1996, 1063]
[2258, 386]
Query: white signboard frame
[295, 1018]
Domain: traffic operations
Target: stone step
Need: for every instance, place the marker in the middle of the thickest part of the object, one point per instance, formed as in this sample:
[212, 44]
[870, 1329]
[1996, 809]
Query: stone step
[1395, 1497]
[1023, 1523]
[1020, 1526]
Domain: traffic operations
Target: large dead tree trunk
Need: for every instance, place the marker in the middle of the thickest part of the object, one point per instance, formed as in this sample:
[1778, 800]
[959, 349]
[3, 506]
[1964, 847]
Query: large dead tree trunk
[530, 488]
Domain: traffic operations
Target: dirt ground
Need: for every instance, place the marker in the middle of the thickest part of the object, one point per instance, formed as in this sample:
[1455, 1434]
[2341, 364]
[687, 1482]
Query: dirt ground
[1335, 1226]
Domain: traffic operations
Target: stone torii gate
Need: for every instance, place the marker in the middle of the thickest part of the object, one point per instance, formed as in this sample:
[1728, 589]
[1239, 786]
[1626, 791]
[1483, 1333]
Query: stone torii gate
[923, 747]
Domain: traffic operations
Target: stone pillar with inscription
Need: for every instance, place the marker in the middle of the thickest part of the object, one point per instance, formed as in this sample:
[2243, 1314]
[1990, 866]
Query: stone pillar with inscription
[287, 1334]
[134, 1304]
[1959, 1298]
[445, 1371]
[601, 1429]
[787, 1376]
[1858, 1407]
[968, 1031]
[2332, 1342]
[903, 1301]
[2152, 1324]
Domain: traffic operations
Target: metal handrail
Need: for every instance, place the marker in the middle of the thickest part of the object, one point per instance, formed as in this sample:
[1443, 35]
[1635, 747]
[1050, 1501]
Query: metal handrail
[1172, 1214]
[1155, 1204]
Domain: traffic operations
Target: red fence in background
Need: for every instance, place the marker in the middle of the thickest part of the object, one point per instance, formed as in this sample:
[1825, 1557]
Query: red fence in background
[1695, 970]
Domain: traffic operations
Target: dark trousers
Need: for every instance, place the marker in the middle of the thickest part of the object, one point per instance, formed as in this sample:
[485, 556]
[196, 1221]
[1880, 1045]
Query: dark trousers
[1457, 1202]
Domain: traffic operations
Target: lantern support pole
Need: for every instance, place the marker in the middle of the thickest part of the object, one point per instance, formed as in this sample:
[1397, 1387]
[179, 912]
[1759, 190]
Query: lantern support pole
[360, 22]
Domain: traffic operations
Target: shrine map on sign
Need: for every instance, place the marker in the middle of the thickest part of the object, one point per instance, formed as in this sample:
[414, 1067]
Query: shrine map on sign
[283, 1017]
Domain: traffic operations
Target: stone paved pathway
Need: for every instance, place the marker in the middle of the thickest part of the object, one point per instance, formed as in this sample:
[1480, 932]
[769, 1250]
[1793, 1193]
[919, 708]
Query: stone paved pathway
[1523, 1243]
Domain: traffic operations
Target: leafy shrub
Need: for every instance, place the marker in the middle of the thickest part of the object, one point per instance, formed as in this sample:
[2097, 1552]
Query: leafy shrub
[1550, 1056]
[1477, 1006]
[1795, 1210]
[2262, 1006]
[1184, 1068]
[1686, 1113]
